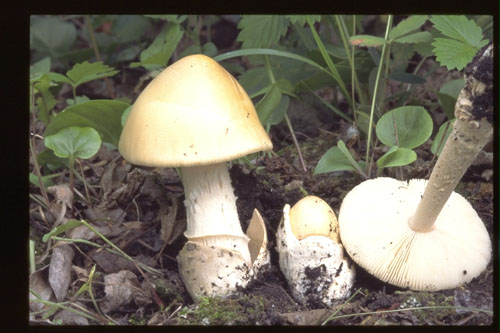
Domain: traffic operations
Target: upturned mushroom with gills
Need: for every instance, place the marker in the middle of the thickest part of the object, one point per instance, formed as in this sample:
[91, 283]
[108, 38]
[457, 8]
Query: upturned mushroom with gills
[420, 234]
[196, 116]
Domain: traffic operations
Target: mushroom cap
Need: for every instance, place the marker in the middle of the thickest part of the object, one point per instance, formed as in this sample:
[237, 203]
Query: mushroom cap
[193, 113]
[374, 230]
[311, 216]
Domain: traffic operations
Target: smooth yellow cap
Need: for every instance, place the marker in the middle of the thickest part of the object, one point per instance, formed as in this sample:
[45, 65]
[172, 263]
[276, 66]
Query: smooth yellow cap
[312, 216]
[193, 113]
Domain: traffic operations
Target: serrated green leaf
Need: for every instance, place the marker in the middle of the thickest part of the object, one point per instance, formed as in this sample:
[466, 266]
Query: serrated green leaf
[442, 135]
[74, 142]
[417, 37]
[366, 40]
[405, 127]
[396, 156]
[85, 72]
[261, 30]
[301, 19]
[268, 104]
[453, 54]
[102, 115]
[460, 28]
[160, 51]
[406, 26]
[59, 78]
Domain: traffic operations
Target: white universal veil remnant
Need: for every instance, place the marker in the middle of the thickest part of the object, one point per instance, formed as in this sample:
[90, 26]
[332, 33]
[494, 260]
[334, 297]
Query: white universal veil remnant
[196, 116]
[310, 254]
[420, 234]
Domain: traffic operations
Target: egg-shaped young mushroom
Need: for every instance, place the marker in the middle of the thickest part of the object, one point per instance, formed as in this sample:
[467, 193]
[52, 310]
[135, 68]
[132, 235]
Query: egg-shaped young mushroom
[419, 234]
[310, 254]
[196, 116]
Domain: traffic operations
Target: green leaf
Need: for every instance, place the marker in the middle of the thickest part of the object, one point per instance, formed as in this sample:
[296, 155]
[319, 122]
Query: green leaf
[77, 100]
[460, 28]
[102, 115]
[448, 94]
[417, 37]
[52, 35]
[333, 160]
[336, 159]
[160, 51]
[444, 130]
[406, 127]
[408, 25]
[453, 54]
[301, 19]
[125, 115]
[129, 28]
[46, 180]
[366, 40]
[74, 142]
[279, 112]
[85, 72]
[261, 30]
[39, 68]
[396, 156]
[46, 101]
[170, 18]
[72, 223]
[465, 39]
[268, 104]
[406, 78]
[347, 154]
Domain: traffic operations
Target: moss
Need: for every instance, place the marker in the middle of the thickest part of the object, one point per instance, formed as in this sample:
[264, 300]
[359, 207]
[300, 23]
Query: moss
[444, 306]
[245, 310]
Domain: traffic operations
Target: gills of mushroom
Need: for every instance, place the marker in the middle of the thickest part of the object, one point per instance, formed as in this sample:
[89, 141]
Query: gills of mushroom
[211, 269]
[419, 234]
[311, 256]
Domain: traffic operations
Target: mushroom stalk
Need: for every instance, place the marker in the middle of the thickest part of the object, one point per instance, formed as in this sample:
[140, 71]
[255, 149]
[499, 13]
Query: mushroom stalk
[212, 217]
[471, 132]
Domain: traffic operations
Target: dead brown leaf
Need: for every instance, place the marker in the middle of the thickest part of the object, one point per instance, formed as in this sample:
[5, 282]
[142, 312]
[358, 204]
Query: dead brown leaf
[60, 270]
[38, 283]
[121, 288]
[63, 193]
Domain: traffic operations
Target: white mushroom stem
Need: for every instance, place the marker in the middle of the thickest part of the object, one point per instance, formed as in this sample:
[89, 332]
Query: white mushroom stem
[212, 217]
[471, 132]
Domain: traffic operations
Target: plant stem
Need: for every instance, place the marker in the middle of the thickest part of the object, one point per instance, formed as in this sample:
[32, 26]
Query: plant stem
[287, 120]
[374, 98]
[98, 57]
[471, 132]
[39, 176]
[331, 66]
[350, 57]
